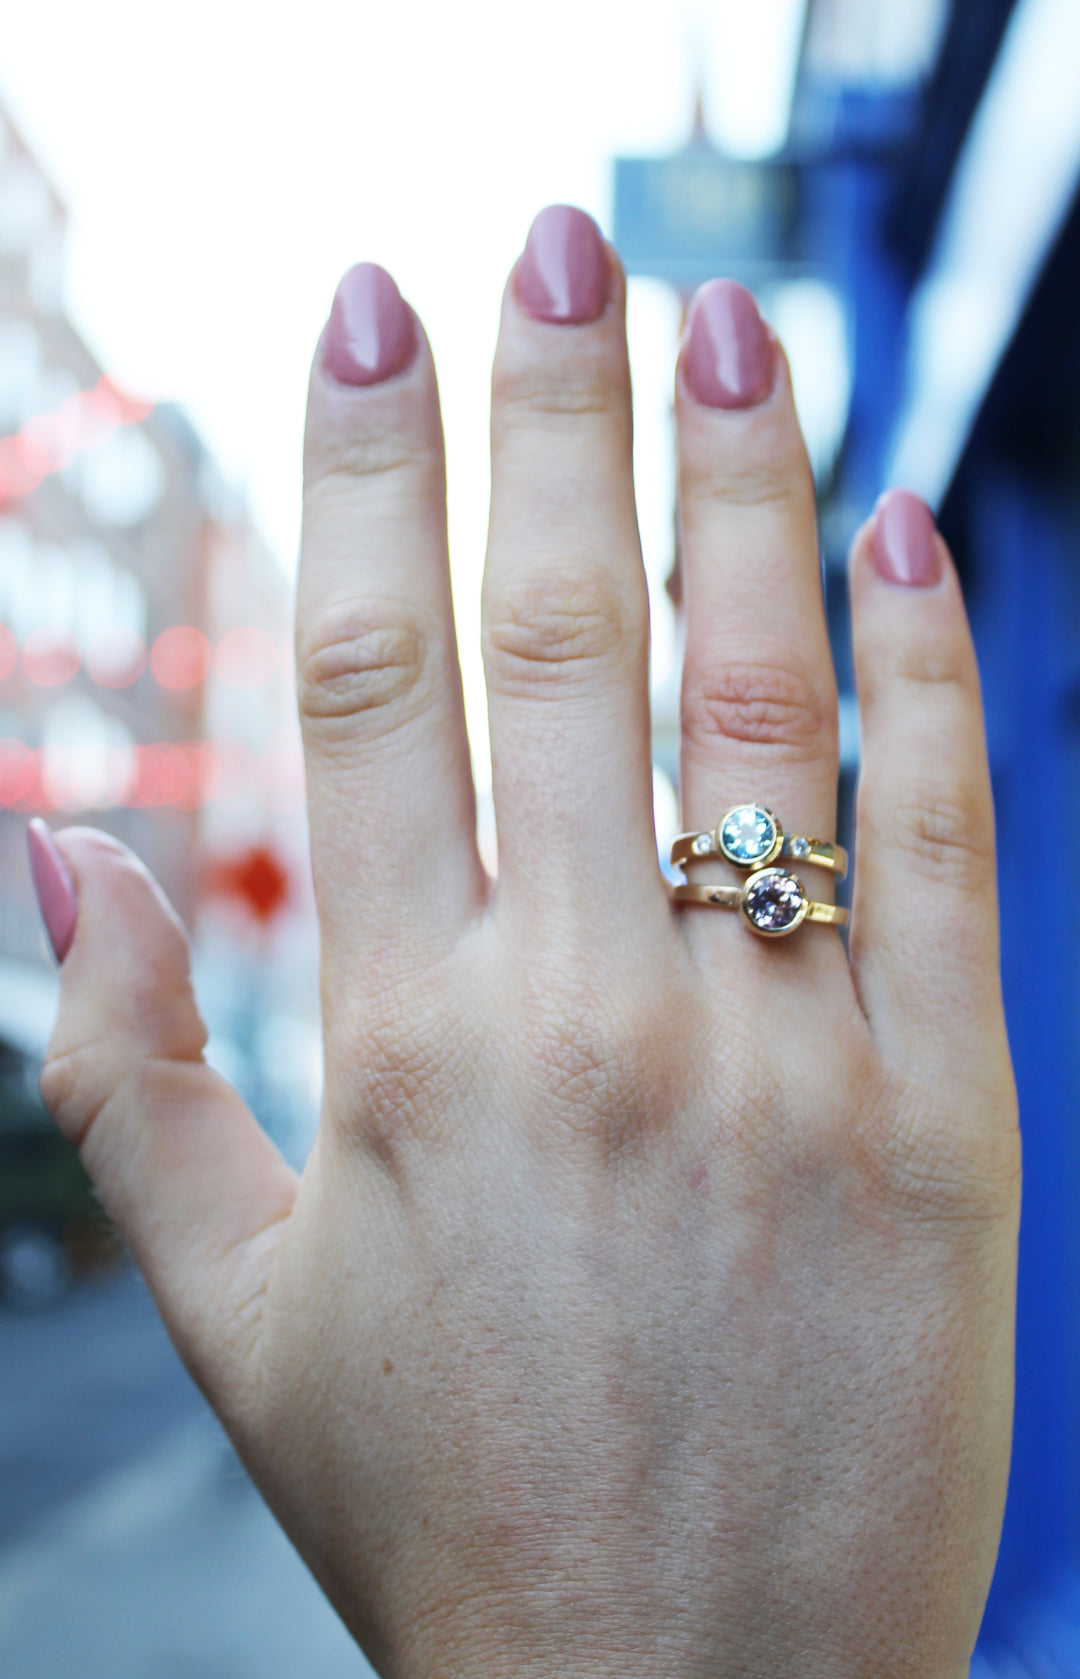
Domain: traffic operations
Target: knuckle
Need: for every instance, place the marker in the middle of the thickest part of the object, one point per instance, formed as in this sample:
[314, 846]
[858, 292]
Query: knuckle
[76, 1086]
[369, 459]
[943, 1169]
[396, 449]
[592, 1058]
[758, 702]
[390, 1101]
[58, 1085]
[946, 835]
[772, 479]
[531, 399]
[948, 680]
[594, 380]
[548, 629]
[391, 1069]
[362, 663]
[578, 1057]
[935, 667]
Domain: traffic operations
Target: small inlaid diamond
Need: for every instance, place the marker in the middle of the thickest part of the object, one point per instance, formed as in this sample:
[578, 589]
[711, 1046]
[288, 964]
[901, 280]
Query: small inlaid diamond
[748, 834]
[800, 848]
[702, 845]
[772, 901]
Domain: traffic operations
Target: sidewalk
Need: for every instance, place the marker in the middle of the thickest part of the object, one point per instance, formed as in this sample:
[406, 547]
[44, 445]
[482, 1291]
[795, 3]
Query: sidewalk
[172, 1568]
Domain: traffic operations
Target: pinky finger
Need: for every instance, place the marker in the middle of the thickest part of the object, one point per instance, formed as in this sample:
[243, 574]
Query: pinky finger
[925, 926]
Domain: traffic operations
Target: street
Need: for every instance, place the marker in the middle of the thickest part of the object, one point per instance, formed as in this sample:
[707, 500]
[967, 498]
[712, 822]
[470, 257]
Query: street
[85, 1388]
[132, 1543]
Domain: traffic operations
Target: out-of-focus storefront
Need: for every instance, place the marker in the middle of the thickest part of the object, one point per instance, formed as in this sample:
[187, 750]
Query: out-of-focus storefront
[145, 687]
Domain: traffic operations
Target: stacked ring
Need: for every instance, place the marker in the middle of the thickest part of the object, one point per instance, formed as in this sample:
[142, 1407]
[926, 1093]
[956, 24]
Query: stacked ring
[772, 901]
[751, 837]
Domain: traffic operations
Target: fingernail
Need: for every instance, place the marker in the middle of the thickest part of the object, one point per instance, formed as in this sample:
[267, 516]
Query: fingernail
[905, 545]
[563, 272]
[54, 886]
[728, 360]
[371, 334]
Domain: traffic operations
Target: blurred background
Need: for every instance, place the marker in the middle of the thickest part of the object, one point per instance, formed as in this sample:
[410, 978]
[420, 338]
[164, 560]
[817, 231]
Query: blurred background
[179, 192]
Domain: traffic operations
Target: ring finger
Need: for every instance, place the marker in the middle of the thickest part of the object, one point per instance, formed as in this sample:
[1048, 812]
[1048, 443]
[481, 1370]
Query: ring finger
[565, 601]
[759, 718]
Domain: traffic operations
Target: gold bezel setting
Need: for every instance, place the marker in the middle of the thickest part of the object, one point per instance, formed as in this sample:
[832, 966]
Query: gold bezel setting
[687, 849]
[767, 857]
[735, 898]
[756, 883]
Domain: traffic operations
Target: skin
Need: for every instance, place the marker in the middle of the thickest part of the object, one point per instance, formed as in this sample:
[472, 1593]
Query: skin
[646, 1306]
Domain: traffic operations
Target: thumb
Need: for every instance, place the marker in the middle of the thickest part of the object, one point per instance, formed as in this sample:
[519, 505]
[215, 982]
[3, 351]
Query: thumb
[194, 1184]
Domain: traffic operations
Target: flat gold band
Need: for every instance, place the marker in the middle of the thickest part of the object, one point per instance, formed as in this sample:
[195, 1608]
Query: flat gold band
[736, 898]
[698, 848]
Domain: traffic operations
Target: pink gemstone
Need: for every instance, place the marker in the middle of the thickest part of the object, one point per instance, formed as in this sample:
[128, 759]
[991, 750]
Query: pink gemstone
[772, 901]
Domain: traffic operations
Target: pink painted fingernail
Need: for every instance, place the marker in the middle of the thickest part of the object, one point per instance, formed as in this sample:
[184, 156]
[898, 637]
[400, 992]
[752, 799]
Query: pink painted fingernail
[905, 545]
[728, 360]
[563, 272]
[54, 886]
[371, 334]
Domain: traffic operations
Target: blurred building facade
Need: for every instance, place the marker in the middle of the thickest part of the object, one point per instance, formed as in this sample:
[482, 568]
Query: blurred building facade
[102, 541]
[935, 150]
[145, 660]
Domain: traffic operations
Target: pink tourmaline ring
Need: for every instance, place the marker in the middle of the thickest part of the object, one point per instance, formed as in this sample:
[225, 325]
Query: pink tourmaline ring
[751, 837]
[772, 901]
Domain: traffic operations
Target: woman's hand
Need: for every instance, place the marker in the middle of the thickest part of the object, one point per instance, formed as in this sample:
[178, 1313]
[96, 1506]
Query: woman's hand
[645, 1307]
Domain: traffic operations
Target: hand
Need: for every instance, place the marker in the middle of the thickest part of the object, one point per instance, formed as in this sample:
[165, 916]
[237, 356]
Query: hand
[646, 1304]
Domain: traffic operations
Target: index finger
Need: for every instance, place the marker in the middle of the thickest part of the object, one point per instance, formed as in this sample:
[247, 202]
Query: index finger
[390, 790]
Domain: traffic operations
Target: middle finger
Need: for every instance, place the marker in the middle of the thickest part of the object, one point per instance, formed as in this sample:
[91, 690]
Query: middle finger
[566, 613]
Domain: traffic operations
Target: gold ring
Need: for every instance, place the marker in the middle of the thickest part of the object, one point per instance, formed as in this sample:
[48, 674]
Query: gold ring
[751, 837]
[772, 901]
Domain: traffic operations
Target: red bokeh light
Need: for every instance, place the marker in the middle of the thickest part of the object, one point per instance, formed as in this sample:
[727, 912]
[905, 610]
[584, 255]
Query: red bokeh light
[144, 791]
[50, 441]
[20, 777]
[50, 656]
[246, 658]
[15, 771]
[180, 657]
[116, 658]
[178, 776]
[9, 652]
[168, 775]
[257, 878]
[171, 774]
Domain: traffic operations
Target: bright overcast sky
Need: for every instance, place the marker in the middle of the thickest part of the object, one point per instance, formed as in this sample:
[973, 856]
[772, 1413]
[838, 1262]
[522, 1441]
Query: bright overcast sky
[224, 161]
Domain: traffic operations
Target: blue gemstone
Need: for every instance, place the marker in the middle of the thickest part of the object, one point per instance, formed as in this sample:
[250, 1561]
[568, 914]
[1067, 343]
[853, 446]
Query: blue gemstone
[748, 834]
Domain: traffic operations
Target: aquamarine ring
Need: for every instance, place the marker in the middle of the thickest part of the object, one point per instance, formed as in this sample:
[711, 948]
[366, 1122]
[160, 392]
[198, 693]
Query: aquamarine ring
[751, 837]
